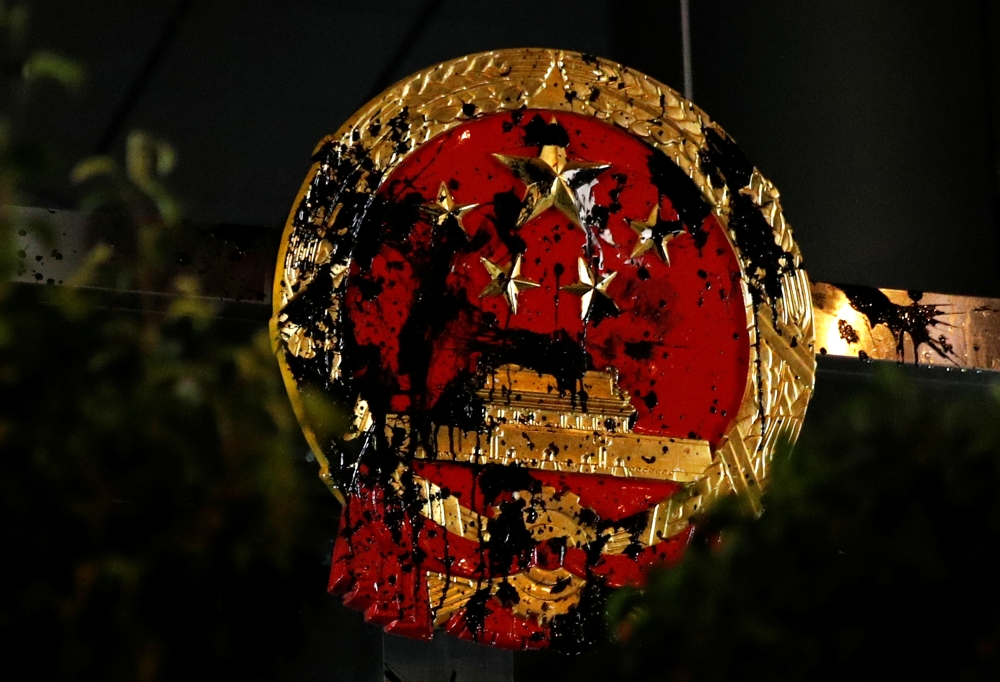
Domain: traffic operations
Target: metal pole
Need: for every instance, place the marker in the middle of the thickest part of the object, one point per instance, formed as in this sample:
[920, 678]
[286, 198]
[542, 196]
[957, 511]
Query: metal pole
[686, 47]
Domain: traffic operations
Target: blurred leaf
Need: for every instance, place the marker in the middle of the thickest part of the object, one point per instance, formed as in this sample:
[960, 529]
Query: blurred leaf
[95, 166]
[187, 285]
[87, 271]
[147, 160]
[139, 158]
[13, 13]
[324, 416]
[166, 158]
[156, 518]
[168, 207]
[191, 304]
[14, 19]
[45, 65]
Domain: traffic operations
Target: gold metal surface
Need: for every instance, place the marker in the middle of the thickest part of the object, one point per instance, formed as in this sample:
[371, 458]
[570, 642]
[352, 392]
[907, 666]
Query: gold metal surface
[552, 181]
[780, 327]
[445, 510]
[545, 594]
[542, 594]
[446, 594]
[588, 287]
[547, 515]
[445, 208]
[361, 420]
[531, 424]
[655, 235]
[506, 282]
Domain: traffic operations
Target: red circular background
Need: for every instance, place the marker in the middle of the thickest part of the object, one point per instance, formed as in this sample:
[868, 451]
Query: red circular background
[680, 343]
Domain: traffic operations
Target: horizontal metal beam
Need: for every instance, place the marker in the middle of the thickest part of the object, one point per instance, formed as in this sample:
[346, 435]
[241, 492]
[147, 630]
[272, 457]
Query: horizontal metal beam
[236, 263]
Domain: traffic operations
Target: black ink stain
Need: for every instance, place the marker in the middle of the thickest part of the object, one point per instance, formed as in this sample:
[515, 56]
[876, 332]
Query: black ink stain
[640, 350]
[914, 320]
[847, 332]
[539, 133]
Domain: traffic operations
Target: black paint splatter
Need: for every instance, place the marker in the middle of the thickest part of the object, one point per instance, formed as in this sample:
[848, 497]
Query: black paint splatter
[510, 544]
[556, 355]
[640, 350]
[674, 183]
[506, 212]
[724, 163]
[915, 320]
[584, 626]
[539, 133]
[847, 332]
[476, 612]
[496, 479]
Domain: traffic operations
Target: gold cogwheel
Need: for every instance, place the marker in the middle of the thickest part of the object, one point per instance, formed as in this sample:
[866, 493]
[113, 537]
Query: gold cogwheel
[550, 514]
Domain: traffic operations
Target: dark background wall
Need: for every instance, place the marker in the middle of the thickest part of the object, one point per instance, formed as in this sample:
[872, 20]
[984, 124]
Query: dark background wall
[876, 120]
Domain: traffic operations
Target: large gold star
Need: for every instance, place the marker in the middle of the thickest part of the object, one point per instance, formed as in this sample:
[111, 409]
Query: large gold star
[446, 209]
[552, 180]
[507, 283]
[590, 290]
[655, 234]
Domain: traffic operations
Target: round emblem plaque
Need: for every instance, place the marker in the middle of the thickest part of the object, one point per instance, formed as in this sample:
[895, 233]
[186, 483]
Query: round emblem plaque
[535, 311]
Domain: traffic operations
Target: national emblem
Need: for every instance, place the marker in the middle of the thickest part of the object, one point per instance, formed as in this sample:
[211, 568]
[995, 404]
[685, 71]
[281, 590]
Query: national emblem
[532, 399]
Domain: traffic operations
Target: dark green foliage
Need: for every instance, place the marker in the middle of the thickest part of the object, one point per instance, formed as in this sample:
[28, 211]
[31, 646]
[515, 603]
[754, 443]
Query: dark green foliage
[154, 518]
[157, 518]
[876, 557]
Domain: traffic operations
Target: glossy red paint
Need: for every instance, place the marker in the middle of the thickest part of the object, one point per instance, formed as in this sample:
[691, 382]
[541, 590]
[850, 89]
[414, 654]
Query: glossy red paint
[679, 345]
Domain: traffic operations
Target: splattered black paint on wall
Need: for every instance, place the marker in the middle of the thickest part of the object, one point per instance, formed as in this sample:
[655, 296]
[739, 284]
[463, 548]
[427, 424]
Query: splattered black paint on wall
[918, 321]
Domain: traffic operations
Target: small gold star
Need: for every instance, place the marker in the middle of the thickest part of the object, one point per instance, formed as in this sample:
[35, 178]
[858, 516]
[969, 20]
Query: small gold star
[445, 209]
[655, 234]
[552, 180]
[507, 283]
[589, 289]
